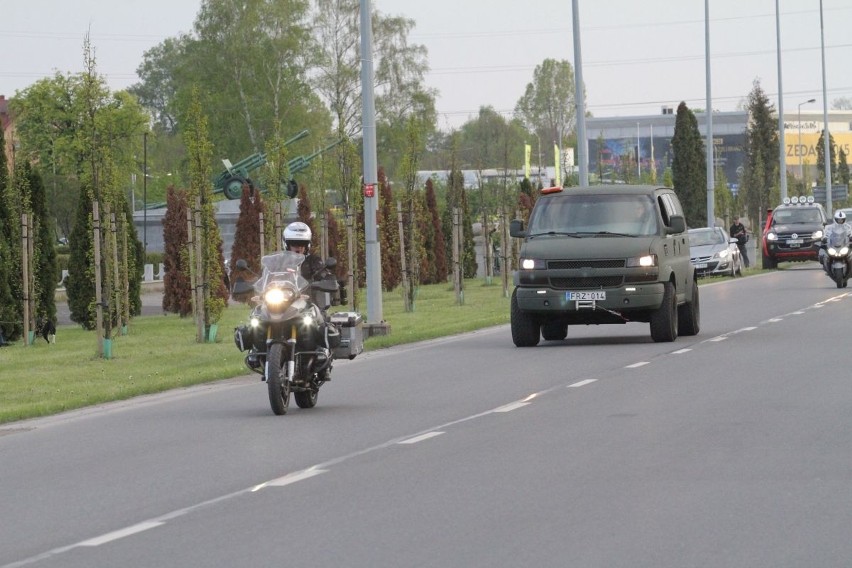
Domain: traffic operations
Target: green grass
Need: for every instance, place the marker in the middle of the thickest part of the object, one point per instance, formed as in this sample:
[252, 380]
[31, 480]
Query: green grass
[160, 353]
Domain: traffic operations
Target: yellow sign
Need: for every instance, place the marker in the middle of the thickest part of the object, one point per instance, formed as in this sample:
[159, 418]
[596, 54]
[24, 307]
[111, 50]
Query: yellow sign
[804, 149]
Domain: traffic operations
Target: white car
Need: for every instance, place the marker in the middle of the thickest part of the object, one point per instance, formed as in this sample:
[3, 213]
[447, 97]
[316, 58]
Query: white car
[713, 252]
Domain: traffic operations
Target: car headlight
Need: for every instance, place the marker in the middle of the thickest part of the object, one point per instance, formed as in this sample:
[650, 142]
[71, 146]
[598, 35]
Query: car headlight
[723, 254]
[817, 234]
[771, 236]
[642, 261]
[532, 264]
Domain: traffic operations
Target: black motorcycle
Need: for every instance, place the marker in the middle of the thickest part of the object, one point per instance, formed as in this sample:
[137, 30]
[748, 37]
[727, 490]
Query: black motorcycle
[837, 257]
[290, 338]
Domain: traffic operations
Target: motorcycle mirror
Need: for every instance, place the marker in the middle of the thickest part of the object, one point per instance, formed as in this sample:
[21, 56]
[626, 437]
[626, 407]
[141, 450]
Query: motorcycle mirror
[330, 262]
[242, 264]
[241, 287]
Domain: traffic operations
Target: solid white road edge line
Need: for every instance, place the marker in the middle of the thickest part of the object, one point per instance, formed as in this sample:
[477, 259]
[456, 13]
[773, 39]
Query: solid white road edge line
[121, 533]
[582, 383]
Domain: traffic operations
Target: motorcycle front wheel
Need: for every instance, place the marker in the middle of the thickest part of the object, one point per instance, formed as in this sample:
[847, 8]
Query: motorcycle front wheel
[279, 386]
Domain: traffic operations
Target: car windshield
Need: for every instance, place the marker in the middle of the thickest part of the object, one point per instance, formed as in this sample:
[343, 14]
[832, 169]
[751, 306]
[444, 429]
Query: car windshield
[593, 215]
[792, 215]
[708, 237]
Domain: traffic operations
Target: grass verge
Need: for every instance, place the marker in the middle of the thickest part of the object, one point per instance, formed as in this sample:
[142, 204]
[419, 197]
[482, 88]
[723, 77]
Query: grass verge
[160, 353]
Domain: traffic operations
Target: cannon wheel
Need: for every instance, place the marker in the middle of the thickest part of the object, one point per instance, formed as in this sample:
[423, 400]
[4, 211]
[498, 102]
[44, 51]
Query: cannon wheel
[233, 187]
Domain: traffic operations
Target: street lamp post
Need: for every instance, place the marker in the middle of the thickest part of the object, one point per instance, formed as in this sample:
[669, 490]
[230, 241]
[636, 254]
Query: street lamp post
[799, 149]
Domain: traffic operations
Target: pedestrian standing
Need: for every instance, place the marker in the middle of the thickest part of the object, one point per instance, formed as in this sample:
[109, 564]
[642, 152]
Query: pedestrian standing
[738, 231]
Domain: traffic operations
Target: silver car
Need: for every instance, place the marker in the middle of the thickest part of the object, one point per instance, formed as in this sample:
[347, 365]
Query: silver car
[714, 253]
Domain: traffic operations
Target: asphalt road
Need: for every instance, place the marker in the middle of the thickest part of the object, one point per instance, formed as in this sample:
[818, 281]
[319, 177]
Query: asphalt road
[730, 448]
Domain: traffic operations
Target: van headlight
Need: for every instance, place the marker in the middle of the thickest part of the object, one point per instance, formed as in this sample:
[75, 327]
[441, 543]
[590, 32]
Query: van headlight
[646, 261]
[771, 236]
[533, 264]
[817, 234]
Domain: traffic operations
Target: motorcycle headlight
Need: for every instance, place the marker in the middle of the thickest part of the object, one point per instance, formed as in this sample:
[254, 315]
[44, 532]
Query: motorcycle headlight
[308, 320]
[844, 251]
[832, 251]
[276, 297]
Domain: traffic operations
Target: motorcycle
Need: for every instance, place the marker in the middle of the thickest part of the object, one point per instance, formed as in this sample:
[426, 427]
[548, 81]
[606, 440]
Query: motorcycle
[290, 338]
[837, 257]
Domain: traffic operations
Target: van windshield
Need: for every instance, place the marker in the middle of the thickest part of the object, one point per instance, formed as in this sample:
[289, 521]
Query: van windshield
[594, 214]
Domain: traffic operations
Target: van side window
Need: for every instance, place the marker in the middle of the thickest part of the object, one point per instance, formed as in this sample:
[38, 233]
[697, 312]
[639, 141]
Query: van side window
[665, 208]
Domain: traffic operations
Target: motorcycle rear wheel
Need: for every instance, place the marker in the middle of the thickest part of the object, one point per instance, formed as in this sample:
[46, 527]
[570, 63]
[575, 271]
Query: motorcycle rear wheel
[279, 386]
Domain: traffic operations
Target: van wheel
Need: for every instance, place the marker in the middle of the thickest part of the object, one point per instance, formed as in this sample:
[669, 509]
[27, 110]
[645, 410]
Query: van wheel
[525, 330]
[664, 322]
[769, 263]
[689, 314]
[554, 331]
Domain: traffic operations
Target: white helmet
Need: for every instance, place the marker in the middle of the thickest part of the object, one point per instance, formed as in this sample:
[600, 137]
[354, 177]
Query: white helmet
[297, 233]
[840, 217]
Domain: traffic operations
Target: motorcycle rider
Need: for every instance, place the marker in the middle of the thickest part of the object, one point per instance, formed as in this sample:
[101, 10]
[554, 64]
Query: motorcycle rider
[839, 225]
[297, 238]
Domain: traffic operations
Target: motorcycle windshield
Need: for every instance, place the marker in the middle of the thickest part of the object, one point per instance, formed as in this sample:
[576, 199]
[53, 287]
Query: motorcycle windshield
[282, 268]
[838, 239]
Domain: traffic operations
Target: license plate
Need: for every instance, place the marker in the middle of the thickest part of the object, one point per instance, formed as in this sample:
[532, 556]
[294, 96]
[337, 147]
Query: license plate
[594, 295]
[794, 241]
[701, 265]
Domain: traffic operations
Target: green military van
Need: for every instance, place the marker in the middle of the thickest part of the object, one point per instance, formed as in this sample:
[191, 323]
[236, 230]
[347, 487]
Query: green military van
[604, 254]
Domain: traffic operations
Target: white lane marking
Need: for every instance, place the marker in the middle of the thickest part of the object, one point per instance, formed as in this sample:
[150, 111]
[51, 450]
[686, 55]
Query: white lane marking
[511, 406]
[775, 320]
[582, 383]
[121, 533]
[752, 328]
[420, 438]
[719, 338]
[799, 313]
[681, 351]
[637, 365]
[291, 478]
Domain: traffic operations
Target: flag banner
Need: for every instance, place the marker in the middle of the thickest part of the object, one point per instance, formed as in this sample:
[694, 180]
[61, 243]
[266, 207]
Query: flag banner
[556, 161]
[527, 150]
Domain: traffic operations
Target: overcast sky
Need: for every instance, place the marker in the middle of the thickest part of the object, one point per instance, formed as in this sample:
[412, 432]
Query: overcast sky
[637, 56]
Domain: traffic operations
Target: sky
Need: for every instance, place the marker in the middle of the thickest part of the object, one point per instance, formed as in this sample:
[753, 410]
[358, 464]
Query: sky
[637, 56]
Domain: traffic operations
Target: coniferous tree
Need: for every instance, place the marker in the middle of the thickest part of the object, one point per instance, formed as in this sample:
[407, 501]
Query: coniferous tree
[434, 241]
[177, 287]
[759, 184]
[457, 198]
[305, 214]
[247, 233]
[820, 158]
[388, 235]
[336, 245]
[9, 325]
[80, 284]
[689, 167]
[842, 167]
[45, 267]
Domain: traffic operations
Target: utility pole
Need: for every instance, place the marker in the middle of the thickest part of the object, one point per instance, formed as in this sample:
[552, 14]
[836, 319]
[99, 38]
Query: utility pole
[579, 99]
[375, 321]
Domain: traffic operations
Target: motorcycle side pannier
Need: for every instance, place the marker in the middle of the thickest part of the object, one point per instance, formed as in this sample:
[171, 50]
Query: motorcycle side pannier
[351, 326]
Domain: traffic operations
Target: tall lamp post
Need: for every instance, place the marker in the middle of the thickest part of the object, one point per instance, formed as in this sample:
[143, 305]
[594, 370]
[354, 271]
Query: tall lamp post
[799, 149]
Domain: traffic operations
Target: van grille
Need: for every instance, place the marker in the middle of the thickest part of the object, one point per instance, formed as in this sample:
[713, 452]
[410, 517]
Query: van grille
[579, 283]
[572, 264]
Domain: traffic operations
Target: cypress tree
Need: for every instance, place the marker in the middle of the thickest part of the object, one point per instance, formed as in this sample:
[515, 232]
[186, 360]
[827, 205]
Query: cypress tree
[247, 233]
[45, 267]
[388, 235]
[10, 329]
[689, 167]
[435, 243]
[80, 285]
[759, 187]
[177, 288]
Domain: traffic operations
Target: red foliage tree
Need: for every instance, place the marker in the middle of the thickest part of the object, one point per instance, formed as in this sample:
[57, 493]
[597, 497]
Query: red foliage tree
[435, 267]
[247, 238]
[177, 290]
